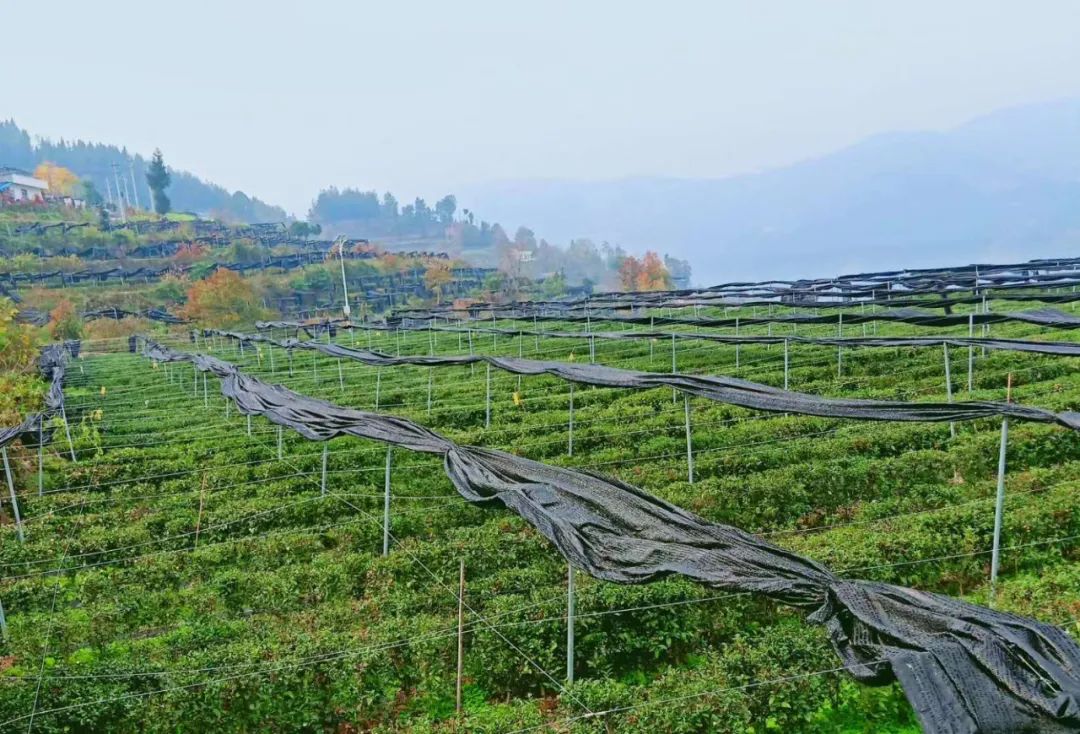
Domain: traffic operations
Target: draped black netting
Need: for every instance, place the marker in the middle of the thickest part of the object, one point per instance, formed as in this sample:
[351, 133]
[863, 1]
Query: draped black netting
[52, 364]
[730, 390]
[942, 282]
[664, 299]
[1046, 317]
[965, 668]
[1060, 349]
[112, 312]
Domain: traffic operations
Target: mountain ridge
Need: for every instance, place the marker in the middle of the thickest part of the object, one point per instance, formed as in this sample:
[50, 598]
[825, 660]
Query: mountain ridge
[996, 186]
[94, 161]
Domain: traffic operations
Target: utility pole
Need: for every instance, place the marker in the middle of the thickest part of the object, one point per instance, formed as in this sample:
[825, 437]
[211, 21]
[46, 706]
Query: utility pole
[341, 253]
[119, 194]
[134, 188]
[127, 194]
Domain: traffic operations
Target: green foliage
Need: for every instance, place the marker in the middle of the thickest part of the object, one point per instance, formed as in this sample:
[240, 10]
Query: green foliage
[364, 214]
[281, 613]
[94, 162]
[158, 179]
[555, 286]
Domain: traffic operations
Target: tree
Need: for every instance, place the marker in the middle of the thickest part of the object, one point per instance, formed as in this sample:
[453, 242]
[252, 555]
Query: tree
[438, 274]
[525, 239]
[629, 273]
[389, 206]
[303, 230]
[170, 289]
[245, 250]
[679, 269]
[421, 212]
[61, 181]
[89, 193]
[497, 235]
[65, 322]
[555, 285]
[188, 253]
[333, 205]
[158, 179]
[445, 208]
[654, 275]
[17, 343]
[223, 299]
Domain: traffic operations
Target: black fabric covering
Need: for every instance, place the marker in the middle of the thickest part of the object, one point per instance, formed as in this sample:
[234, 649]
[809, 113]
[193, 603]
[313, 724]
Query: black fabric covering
[52, 363]
[730, 390]
[1047, 317]
[965, 668]
[32, 316]
[946, 301]
[1060, 349]
[154, 314]
[602, 301]
[1056, 272]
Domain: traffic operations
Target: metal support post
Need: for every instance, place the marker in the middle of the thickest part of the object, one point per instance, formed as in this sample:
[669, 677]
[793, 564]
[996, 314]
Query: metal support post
[14, 499]
[689, 444]
[324, 452]
[570, 440]
[999, 504]
[386, 503]
[570, 624]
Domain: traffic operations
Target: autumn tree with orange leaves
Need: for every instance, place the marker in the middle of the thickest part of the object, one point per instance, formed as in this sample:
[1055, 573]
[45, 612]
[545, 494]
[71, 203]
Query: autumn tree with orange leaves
[629, 272]
[188, 253]
[65, 322]
[646, 274]
[223, 299]
[654, 274]
[61, 180]
[437, 275]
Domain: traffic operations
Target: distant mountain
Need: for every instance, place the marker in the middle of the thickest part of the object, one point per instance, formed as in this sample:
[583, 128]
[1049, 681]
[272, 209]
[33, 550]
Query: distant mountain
[95, 161]
[1003, 186]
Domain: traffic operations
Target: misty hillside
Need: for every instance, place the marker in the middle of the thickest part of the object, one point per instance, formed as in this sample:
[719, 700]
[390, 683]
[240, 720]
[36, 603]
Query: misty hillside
[95, 162]
[1006, 185]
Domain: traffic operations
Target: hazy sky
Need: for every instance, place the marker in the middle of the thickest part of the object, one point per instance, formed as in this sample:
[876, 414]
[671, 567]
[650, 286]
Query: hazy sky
[283, 98]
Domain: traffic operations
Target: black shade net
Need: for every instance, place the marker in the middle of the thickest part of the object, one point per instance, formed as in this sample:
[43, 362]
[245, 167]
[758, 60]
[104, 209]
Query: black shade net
[1045, 317]
[642, 300]
[113, 312]
[1059, 349]
[729, 390]
[963, 667]
[52, 364]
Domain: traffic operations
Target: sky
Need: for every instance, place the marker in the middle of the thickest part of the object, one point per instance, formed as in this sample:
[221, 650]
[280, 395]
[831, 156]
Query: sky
[281, 99]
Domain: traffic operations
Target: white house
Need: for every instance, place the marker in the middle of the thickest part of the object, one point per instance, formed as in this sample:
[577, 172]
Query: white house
[18, 185]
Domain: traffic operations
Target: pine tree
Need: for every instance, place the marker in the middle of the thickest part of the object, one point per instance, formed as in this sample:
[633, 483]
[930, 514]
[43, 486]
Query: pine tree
[157, 178]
